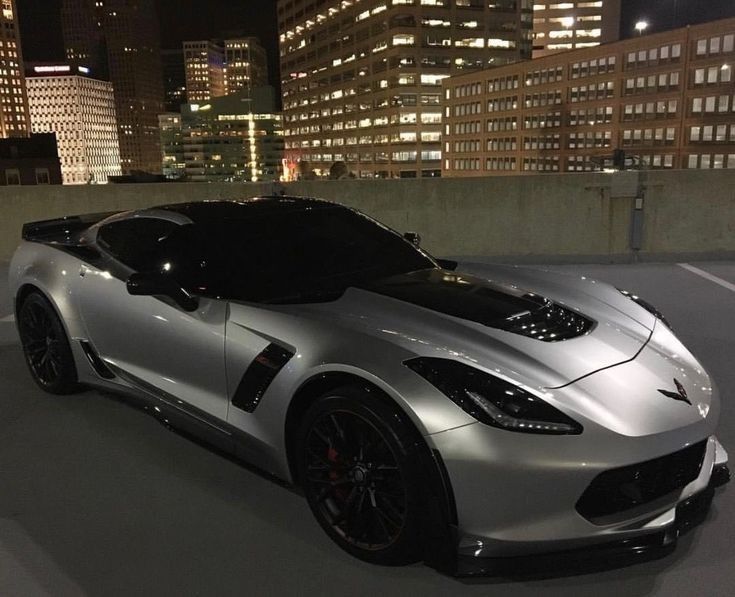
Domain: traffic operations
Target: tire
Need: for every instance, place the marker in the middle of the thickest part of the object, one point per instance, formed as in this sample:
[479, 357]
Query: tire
[45, 346]
[360, 467]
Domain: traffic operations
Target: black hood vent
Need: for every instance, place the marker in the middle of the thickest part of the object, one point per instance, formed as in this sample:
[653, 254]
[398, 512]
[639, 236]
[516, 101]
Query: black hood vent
[494, 305]
[551, 323]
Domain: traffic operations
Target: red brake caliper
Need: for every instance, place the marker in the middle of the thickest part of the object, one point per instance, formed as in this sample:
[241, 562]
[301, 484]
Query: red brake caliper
[333, 456]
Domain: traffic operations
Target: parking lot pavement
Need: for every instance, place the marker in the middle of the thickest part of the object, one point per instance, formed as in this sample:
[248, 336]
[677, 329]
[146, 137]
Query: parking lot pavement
[96, 498]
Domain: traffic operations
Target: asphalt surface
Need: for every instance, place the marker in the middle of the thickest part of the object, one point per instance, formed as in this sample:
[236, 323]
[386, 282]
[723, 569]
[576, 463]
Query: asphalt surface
[96, 498]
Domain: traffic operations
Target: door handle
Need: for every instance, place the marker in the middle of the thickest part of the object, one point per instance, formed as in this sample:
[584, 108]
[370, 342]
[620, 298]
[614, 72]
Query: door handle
[83, 271]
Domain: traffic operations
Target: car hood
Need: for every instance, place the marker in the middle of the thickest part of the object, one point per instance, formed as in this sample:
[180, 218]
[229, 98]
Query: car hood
[456, 315]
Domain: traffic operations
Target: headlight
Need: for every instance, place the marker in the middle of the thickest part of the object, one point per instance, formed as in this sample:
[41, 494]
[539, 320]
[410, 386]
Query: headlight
[647, 306]
[492, 400]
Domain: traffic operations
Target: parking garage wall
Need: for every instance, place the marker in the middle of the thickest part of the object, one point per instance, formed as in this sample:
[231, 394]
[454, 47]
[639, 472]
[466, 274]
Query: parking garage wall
[545, 218]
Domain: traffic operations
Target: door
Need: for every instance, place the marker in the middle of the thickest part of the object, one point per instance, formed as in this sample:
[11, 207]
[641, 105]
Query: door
[148, 341]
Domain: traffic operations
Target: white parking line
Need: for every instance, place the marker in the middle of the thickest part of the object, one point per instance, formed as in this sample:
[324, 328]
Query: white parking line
[8, 319]
[708, 276]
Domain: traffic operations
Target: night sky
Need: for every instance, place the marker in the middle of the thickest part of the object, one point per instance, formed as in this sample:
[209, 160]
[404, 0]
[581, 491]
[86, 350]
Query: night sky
[670, 14]
[179, 20]
[199, 19]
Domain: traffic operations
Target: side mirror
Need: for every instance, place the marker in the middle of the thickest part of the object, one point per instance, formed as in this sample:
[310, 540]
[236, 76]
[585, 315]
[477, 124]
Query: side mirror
[155, 284]
[413, 237]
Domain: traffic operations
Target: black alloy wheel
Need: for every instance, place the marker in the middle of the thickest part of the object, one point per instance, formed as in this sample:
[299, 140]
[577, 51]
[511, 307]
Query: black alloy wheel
[359, 469]
[46, 346]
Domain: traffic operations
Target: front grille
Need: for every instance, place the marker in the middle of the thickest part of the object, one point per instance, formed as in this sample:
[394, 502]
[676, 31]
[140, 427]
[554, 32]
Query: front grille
[621, 489]
[551, 323]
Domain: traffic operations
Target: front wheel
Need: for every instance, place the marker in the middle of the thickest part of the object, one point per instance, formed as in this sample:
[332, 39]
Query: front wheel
[45, 346]
[359, 466]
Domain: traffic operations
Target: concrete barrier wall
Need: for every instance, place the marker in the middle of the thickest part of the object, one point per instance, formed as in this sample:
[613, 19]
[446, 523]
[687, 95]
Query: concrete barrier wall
[544, 218]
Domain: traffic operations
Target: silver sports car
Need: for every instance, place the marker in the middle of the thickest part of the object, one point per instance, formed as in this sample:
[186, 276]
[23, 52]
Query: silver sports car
[426, 414]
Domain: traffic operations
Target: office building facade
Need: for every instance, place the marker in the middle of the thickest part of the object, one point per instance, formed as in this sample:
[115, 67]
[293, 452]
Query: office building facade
[362, 79]
[560, 26]
[80, 111]
[14, 120]
[204, 63]
[667, 100]
[246, 64]
[234, 138]
[215, 68]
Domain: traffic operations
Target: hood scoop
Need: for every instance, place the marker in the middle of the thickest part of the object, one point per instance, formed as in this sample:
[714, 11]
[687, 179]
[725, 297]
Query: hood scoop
[497, 306]
[551, 323]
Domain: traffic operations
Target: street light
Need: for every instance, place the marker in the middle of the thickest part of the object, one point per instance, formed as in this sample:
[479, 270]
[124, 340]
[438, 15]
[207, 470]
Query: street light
[641, 26]
[567, 22]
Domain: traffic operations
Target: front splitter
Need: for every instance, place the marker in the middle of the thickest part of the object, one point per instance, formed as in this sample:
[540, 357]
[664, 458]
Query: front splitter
[602, 556]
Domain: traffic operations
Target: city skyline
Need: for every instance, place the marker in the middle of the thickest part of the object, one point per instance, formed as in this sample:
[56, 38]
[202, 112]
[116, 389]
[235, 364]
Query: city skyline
[181, 20]
[363, 84]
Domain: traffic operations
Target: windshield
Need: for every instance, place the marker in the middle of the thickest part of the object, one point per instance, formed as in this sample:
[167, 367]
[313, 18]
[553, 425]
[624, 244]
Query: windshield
[299, 255]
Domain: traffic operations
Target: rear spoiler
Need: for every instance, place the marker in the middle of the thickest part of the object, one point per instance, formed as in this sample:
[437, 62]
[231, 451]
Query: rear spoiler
[61, 230]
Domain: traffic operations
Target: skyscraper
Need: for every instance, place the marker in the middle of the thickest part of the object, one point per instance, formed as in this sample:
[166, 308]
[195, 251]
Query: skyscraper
[362, 80]
[122, 36]
[204, 62]
[559, 26]
[80, 110]
[14, 121]
[215, 68]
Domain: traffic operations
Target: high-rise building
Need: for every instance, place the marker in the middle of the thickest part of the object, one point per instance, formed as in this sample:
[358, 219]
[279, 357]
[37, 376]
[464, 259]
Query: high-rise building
[246, 64]
[174, 78]
[122, 35]
[362, 80]
[214, 68]
[235, 138]
[80, 110]
[14, 120]
[559, 26]
[204, 63]
[658, 101]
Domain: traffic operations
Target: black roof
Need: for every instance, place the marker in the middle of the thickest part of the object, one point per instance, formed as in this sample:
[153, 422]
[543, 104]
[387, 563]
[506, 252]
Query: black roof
[246, 208]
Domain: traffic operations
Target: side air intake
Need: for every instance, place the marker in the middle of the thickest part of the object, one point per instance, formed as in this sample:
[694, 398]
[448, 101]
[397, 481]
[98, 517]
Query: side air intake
[259, 375]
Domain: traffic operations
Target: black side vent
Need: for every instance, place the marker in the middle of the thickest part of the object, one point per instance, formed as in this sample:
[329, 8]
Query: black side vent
[551, 323]
[259, 375]
[97, 363]
[621, 489]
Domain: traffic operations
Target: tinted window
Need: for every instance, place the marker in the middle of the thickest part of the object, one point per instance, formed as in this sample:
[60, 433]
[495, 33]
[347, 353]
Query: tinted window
[136, 242]
[286, 255]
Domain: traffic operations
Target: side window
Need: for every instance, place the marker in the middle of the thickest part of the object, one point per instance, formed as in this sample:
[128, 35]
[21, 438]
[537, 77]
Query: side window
[42, 176]
[188, 256]
[136, 242]
[12, 177]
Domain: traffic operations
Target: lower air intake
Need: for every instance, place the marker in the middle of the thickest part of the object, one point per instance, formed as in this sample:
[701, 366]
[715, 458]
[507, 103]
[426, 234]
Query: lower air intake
[621, 489]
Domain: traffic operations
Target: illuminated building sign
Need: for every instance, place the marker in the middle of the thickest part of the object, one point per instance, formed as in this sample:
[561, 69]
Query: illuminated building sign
[58, 69]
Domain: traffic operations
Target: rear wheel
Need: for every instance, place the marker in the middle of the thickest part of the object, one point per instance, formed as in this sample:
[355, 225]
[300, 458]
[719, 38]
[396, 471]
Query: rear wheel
[46, 346]
[359, 466]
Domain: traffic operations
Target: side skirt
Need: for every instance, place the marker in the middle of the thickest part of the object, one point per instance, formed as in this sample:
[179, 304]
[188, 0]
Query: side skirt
[180, 416]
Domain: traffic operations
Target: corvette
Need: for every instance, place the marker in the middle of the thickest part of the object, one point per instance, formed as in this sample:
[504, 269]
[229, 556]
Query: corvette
[426, 413]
